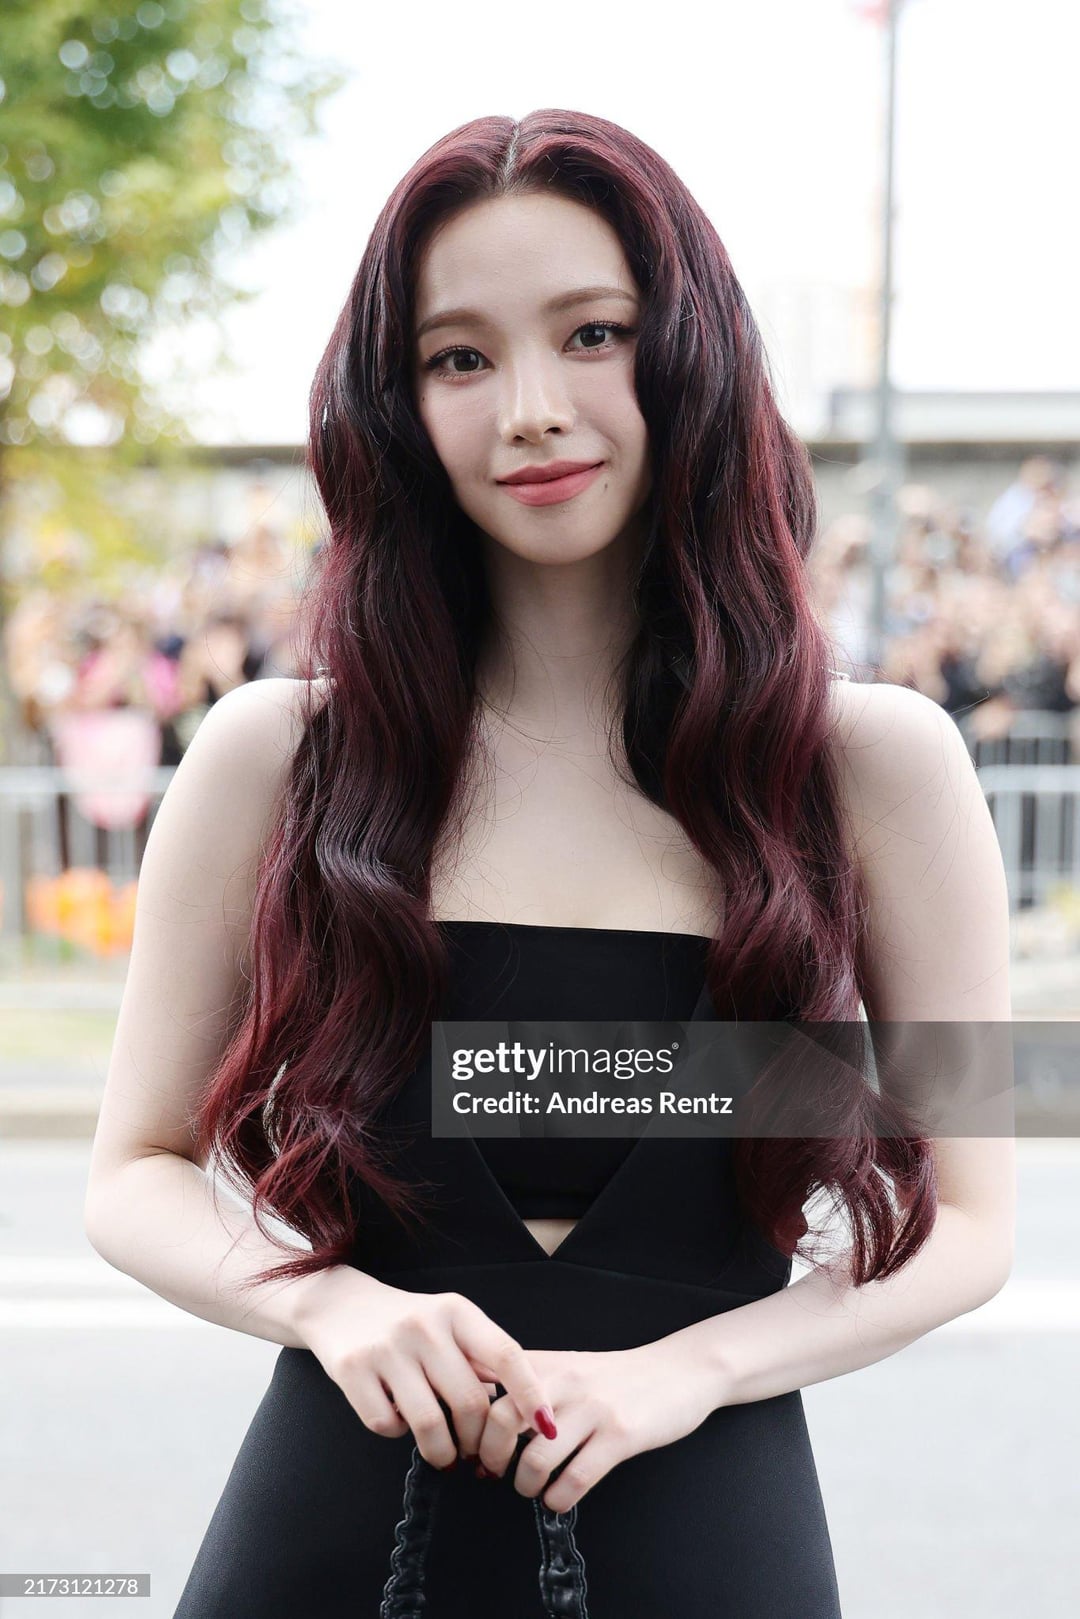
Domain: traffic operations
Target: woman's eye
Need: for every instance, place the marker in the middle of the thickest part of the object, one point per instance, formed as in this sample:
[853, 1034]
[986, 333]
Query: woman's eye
[615, 328]
[601, 326]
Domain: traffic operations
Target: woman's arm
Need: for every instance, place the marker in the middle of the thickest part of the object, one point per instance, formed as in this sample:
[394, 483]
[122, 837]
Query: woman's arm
[155, 1219]
[150, 1209]
[939, 919]
[821, 1327]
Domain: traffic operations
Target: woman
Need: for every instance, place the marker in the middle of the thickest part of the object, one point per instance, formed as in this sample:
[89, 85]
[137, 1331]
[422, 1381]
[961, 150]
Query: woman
[572, 756]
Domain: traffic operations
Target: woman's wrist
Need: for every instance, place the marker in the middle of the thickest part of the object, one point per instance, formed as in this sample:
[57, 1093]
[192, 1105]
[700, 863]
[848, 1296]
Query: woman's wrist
[316, 1294]
[698, 1359]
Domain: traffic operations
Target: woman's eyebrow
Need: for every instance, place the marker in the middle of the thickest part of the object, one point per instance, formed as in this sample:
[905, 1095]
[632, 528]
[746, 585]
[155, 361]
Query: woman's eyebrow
[579, 295]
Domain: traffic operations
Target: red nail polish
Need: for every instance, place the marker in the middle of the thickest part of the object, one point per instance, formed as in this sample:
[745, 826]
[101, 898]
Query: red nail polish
[545, 1421]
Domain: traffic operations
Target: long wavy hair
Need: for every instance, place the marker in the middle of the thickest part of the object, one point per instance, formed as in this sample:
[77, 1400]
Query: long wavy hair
[723, 698]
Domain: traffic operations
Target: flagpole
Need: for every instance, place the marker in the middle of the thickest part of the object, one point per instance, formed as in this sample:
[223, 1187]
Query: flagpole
[883, 460]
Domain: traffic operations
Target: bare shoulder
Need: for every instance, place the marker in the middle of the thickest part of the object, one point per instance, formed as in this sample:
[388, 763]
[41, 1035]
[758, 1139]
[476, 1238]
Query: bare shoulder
[276, 706]
[895, 745]
[927, 847]
[256, 729]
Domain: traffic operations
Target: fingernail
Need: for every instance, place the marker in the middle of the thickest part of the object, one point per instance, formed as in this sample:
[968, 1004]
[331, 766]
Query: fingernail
[545, 1421]
[481, 1471]
[449, 1465]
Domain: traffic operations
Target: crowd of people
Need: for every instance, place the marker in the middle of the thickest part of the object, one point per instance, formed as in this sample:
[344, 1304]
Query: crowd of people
[982, 616]
[165, 651]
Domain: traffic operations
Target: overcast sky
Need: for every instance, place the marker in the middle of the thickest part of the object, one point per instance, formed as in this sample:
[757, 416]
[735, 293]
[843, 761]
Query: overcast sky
[772, 117]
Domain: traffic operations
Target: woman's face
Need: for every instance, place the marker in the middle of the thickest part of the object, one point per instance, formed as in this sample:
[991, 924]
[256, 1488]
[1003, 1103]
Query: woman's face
[527, 384]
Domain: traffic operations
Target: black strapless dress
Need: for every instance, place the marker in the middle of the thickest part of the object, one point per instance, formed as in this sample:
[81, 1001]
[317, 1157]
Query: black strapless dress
[322, 1519]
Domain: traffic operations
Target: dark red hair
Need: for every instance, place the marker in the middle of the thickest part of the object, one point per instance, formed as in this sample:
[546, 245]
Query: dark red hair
[724, 709]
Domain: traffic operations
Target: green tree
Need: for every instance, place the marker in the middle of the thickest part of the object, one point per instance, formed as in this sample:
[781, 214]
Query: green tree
[141, 144]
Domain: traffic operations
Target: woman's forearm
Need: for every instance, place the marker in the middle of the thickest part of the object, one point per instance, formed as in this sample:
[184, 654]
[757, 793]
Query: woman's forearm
[821, 1326]
[156, 1220]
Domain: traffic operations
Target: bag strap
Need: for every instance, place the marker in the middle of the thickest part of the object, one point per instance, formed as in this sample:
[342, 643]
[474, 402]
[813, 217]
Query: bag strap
[562, 1567]
[403, 1594]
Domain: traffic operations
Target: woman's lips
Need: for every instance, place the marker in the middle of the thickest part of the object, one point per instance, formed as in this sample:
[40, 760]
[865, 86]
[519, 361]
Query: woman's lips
[555, 491]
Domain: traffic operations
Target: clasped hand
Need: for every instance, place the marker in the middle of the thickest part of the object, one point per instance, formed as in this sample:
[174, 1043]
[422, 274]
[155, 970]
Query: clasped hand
[421, 1362]
[608, 1405]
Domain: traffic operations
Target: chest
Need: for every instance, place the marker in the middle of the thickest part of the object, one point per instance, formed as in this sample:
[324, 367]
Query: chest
[554, 836]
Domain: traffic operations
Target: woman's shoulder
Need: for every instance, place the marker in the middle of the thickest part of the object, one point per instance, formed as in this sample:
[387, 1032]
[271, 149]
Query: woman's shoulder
[265, 720]
[866, 711]
[888, 739]
[284, 694]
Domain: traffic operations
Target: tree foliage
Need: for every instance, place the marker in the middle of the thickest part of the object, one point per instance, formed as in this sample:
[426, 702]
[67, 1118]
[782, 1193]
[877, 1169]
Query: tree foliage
[140, 145]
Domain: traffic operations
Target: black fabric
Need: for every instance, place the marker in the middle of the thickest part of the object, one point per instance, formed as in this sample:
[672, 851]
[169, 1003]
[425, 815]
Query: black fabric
[725, 1523]
[644, 975]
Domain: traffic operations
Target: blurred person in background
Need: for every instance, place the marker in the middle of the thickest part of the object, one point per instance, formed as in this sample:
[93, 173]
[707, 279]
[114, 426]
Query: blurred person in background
[1041, 531]
[276, 633]
[215, 659]
[1047, 678]
[842, 580]
[965, 611]
[121, 667]
[210, 564]
[40, 668]
[260, 567]
[1038, 475]
[109, 725]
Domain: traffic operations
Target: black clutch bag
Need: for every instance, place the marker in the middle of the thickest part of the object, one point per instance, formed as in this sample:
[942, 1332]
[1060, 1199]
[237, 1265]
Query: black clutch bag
[561, 1573]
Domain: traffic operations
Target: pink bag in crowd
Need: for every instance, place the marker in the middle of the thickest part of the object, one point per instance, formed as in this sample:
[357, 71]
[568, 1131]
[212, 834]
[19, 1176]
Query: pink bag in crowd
[113, 742]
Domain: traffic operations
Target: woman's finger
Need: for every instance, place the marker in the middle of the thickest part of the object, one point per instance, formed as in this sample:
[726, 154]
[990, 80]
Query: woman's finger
[454, 1382]
[577, 1473]
[374, 1405]
[417, 1402]
[501, 1434]
[487, 1345]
